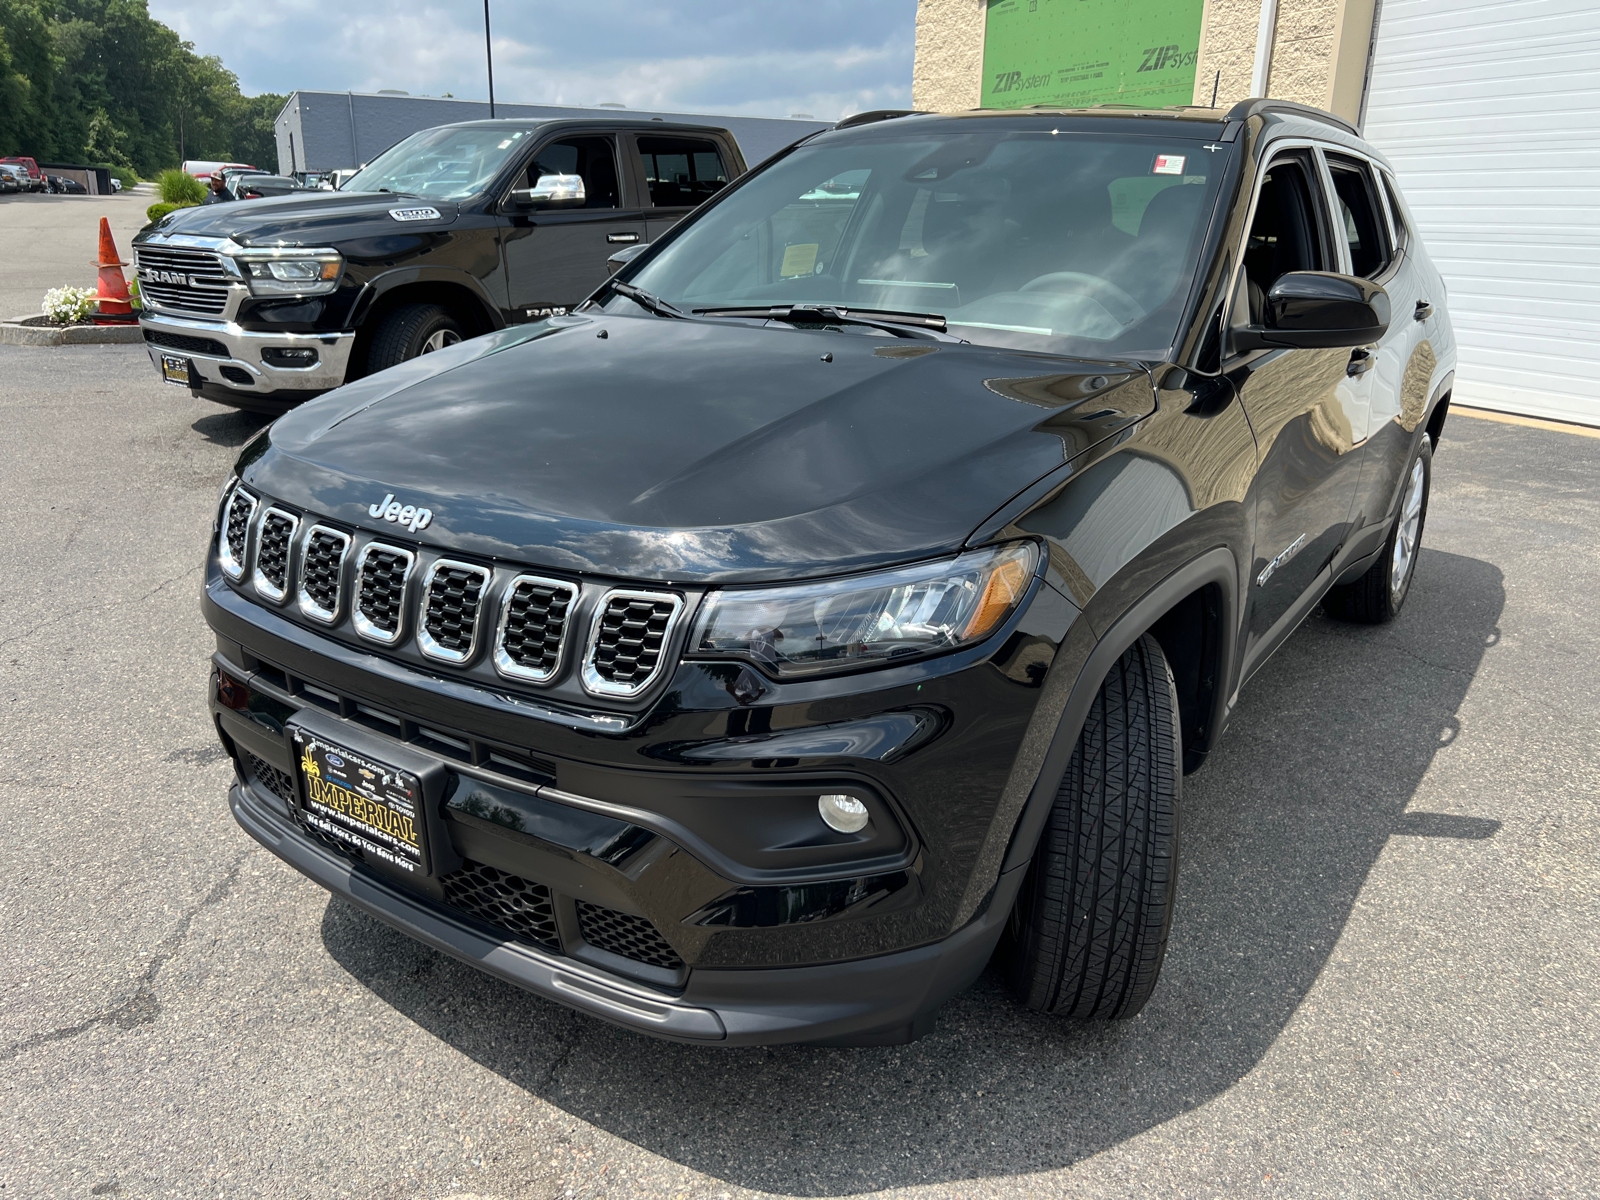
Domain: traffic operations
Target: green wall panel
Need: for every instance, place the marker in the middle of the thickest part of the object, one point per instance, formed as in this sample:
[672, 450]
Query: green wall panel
[1081, 52]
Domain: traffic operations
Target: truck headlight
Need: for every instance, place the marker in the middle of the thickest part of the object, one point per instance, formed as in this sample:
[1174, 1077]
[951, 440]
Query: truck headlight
[291, 272]
[867, 620]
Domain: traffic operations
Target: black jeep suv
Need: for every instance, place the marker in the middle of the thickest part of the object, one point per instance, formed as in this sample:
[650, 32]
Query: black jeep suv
[455, 231]
[839, 595]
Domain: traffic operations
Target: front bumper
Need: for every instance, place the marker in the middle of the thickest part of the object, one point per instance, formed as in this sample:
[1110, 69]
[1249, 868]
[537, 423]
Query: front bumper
[884, 1000]
[229, 357]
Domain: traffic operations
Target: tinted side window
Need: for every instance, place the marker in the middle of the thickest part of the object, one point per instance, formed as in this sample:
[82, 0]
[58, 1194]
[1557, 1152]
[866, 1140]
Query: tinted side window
[1360, 216]
[681, 172]
[1285, 235]
[594, 158]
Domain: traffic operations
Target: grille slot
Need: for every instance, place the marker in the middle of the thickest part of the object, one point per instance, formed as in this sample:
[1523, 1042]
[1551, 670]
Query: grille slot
[630, 936]
[189, 345]
[274, 780]
[450, 603]
[381, 575]
[533, 625]
[630, 633]
[204, 286]
[322, 572]
[518, 906]
[233, 547]
[272, 553]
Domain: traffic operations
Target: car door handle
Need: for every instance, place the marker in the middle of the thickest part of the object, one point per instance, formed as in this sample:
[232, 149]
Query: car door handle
[622, 238]
[1423, 311]
[1360, 363]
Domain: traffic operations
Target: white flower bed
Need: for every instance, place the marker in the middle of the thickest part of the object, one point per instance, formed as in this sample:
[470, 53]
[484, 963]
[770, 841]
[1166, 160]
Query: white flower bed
[69, 305]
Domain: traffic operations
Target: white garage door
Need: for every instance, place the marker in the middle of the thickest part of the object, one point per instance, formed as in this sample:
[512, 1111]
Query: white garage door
[1490, 112]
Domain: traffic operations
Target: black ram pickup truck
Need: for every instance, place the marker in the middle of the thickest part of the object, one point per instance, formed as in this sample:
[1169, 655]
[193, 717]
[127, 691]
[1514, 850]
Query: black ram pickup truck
[838, 597]
[453, 232]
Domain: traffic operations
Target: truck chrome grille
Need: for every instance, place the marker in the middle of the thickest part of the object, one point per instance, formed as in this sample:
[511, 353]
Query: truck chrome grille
[204, 284]
[322, 572]
[381, 575]
[630, 633]
[233, 547]
[272, 553]
[533, 622]
[450, 603]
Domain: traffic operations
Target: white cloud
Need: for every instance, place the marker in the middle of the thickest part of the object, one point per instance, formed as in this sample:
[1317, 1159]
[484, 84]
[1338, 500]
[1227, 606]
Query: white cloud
[827, 57]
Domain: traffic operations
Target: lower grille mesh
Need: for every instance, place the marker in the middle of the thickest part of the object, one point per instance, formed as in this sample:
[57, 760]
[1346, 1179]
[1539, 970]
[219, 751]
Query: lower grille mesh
[630, 936]
[274, 780]
[520, 907]
[194, 345]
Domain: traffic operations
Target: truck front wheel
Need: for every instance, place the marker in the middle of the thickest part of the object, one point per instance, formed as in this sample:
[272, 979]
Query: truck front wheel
[411, 330]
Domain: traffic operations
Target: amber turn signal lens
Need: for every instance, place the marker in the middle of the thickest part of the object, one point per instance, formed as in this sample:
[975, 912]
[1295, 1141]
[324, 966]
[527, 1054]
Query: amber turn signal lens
[1007, 582]
[330, 270]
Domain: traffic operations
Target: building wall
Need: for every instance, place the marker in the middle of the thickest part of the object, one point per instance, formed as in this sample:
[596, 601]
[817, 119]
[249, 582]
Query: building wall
[1319, 53]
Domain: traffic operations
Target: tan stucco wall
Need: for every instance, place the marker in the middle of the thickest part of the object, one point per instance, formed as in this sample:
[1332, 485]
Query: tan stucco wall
[948, 73]
[1319, 52]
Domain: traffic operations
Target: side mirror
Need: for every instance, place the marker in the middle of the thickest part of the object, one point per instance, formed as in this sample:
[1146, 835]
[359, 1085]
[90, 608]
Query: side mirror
[552, 191]
[1317, 310]
[623, 257]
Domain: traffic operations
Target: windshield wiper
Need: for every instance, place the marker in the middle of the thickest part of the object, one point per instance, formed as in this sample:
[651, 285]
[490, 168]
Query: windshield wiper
[901, 324]
[644, 299]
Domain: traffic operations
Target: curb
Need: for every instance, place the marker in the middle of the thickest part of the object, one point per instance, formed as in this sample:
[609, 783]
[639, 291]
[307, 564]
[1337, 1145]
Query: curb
[12, 333]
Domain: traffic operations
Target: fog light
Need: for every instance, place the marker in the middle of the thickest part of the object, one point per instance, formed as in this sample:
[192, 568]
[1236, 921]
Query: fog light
[295, 357]
[844, 813]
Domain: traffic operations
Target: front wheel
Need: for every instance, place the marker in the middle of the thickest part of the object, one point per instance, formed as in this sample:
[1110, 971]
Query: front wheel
[409, 331]
[1089, 930]
[1376, 596]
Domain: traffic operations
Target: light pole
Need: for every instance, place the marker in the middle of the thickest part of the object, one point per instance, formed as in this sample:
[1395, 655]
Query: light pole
[488, 55]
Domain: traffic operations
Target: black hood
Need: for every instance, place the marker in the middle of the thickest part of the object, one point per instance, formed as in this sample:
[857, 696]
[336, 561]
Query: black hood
[304, 219]
[696, 450]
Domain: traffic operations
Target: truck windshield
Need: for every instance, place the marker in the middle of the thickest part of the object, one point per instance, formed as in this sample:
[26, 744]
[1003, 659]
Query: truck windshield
[447, 163]
[1072, 243]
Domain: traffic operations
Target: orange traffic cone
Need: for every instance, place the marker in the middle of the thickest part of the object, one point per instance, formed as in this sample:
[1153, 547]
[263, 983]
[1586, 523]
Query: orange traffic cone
[115, 307]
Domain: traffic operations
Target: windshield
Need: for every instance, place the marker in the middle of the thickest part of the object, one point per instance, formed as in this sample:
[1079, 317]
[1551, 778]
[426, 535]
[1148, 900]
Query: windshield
[448, 163]
[1072, 243]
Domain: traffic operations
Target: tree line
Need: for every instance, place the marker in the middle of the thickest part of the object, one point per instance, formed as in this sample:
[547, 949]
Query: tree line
[102, 82]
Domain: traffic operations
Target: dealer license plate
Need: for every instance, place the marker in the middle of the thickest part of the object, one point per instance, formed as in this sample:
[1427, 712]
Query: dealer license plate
[175, 370]
[361, 802]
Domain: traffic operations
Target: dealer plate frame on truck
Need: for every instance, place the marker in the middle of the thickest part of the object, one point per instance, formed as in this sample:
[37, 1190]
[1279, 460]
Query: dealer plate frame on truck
[177, 370]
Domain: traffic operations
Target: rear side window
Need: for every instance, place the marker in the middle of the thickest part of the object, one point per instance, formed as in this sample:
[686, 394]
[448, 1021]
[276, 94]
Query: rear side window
[1360, 216]
[594, 158]
[1402, 231]
[681, 172]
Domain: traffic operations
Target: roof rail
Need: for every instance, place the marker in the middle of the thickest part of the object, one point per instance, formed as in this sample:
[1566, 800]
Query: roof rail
[1246, 109]
[877, 114]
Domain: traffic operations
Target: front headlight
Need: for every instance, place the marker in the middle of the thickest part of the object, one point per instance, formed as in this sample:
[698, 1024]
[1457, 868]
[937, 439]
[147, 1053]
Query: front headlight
[869, 620]
[291, 272]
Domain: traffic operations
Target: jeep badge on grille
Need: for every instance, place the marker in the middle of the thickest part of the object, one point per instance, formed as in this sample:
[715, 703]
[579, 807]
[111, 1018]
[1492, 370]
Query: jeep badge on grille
[409, 515]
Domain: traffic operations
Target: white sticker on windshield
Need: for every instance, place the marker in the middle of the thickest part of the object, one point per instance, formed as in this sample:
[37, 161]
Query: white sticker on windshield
[1168, 164]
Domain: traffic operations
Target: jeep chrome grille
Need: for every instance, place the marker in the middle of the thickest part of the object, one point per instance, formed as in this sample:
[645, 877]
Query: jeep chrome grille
[630, 632]
[533, 622]
[192, 280]
[233, 546]
[381, 574]
[272, 553]
[322, 572]
[450, 602]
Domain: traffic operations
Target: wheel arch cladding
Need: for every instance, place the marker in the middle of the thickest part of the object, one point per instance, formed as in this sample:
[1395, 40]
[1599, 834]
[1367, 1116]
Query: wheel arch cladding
[461, 301]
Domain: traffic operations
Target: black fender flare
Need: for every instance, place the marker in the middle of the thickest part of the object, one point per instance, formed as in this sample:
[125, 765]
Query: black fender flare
[378, 287]
[1216, 567]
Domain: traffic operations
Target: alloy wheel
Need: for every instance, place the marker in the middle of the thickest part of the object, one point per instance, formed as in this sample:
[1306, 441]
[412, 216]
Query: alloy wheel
[1405, 544]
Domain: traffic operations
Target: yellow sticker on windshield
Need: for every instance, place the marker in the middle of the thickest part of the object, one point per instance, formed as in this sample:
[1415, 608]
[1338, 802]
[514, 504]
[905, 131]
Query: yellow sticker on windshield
[799, 259]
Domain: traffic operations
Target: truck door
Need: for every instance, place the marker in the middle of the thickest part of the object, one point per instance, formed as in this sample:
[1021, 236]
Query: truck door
[1299, 405]
[555, 258]
[680, 173]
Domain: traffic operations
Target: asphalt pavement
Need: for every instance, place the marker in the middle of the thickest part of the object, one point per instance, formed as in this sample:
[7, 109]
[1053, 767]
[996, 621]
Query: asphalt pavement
[1382, 978]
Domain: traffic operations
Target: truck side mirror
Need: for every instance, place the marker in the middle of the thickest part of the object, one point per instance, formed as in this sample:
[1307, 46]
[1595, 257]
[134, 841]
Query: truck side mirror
[623, 257]
[552, 191]
[1318, 310]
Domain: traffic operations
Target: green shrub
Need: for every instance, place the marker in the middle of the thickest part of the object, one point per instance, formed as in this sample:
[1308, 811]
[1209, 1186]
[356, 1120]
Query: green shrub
[158, 210]
[179, 188]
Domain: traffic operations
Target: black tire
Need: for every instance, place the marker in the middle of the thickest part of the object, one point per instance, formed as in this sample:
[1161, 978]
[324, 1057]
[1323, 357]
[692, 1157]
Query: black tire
[1089, 930]
[408, 332]
[1377, 596]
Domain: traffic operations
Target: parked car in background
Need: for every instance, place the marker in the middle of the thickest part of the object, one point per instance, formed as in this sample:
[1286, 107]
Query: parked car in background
[69, 187]
[203, 170]
[116, 184]
[836, 600]
[12, 179]
[33, 177]
[454, 232]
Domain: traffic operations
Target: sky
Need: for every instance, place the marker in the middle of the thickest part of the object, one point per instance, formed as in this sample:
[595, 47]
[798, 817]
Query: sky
[766, 58]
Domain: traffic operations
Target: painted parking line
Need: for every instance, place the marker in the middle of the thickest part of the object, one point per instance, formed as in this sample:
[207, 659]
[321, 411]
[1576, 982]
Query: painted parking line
[1484, 414]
